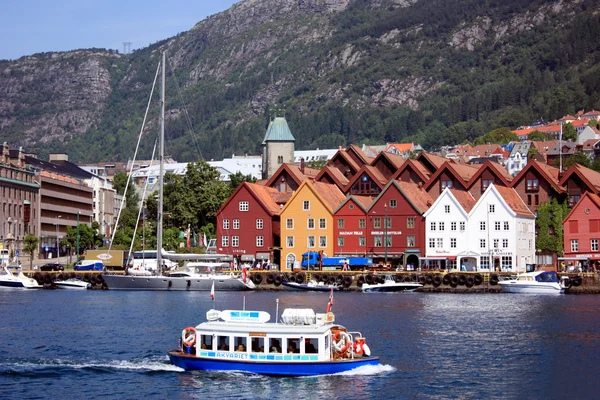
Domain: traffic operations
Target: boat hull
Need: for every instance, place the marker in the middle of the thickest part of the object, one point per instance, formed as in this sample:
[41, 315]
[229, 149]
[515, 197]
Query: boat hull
[511, 287]
[129, 282]
[311, 288]
[383, 288]
[73, 285]
[273, 368]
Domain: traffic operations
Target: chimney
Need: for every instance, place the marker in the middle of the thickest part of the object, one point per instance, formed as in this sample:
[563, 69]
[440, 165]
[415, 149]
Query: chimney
[5, 154]
[21, 158]
[302, 165]
[58, 157]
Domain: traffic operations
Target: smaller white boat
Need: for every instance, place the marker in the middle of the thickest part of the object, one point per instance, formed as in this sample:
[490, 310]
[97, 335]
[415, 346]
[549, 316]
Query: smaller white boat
[390, 285]
[311, 285]
[19, 281]
[73, 283]
[540, 282]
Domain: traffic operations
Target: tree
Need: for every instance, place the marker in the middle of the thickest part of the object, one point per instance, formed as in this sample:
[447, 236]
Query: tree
[31, 246]
[238, 178]
[119, 182]
[538, 136]
[569, 132]
[577, 158]
[499, 136]
[549, 226]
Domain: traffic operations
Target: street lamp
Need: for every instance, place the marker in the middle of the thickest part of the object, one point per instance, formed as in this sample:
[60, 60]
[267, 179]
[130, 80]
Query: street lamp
[308, 253]
[385, 223]
[57, 244]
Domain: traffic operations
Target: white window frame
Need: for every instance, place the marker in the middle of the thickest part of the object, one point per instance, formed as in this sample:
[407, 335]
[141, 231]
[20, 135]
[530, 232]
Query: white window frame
[225, 241]
[236, 224]
[306, 205]
[322, 223]
[225, 224]
[244, 206]
[288, 222]
[235, 241]
[289, 241]
[260, 241]
[322, 241]
[259, 223]
[311, 242]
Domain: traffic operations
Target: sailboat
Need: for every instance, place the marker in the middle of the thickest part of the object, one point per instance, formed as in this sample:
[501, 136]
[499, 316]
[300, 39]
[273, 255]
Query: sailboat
[190, 278]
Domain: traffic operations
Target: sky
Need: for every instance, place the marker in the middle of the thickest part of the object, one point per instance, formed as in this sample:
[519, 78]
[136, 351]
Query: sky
[35, 26]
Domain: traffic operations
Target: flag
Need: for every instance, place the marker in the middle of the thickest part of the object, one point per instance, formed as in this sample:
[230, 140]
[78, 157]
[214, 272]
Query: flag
[330, 300]
[244, 274]
[204, 241]
[212, 291]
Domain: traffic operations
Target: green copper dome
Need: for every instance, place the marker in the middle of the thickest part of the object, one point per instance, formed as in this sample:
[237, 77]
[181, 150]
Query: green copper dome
[278, 131]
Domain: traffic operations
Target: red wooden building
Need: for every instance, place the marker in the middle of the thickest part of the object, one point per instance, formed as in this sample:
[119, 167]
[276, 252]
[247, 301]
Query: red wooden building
[582, 232]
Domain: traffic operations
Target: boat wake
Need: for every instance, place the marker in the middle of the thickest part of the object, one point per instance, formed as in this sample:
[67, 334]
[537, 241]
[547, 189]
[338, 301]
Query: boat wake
[50, 367]
[366, 370]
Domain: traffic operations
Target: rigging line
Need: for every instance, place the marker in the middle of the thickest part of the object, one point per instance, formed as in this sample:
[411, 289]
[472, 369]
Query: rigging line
[137, 147]
[141, 203]
[185, 112]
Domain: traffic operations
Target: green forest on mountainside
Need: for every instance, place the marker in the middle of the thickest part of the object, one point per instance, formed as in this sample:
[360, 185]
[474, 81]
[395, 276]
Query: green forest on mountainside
[548, 71]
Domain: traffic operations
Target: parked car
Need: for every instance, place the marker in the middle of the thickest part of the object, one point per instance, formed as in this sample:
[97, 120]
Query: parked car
[52, 267]
[89, 265]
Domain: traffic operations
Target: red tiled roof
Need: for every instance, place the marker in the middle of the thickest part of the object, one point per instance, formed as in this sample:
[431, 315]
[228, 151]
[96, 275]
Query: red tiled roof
[593, 197]
[360, 153]
[434, 159]
[331, 195]
[396, 159]
[401, 147]
[589, 176]
[364, 201]
[266, 196]
[464, 198]
[415, 194]
[335, 174]
[373, 172]
[295, 173]
[514, 201]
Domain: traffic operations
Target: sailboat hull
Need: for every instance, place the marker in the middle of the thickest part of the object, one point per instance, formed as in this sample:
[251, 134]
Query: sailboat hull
[165, 283]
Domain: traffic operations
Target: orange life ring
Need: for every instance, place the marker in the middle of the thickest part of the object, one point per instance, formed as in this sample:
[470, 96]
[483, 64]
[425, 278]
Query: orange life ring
[189, 340]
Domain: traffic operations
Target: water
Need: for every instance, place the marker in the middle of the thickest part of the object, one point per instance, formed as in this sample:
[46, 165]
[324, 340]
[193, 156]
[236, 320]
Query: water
[110, 344]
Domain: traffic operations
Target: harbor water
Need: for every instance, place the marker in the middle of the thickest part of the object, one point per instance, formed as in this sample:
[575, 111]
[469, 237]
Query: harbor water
[113, 344]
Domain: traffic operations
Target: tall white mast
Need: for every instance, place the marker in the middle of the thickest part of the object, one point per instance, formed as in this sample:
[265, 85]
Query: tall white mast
[560, 148]
[159, 214]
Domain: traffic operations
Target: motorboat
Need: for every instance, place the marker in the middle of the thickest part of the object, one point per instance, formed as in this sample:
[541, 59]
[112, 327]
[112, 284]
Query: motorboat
[192, 277]
[301, 343]
[18, 280]
[390, 285]
[311, 285]
[73, 283]
[539, 282]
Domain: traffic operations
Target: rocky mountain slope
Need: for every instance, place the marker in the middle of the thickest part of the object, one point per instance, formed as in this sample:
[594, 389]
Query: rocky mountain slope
[341, 71]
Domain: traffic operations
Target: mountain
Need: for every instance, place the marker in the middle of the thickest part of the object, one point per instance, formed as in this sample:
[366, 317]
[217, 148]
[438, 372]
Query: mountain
[341, 71]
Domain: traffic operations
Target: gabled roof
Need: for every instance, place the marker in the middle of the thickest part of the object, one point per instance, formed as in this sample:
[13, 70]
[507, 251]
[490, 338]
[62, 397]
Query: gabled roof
[549, 173]
[461, 172]
[495, 168]
[395, 159]
[589, 144]
[433, 159]
[413, 193]
[295, 172]
[278, 131]
[364, 202]
[401, 147]
[416, 166]
[513, 200]
[464, 198]
[563, 147]
[358, 151]
[267, 197]
[373, 173]
[335, 174]
[543, 146]
[344, 155]
[590, 177]
[331, 195]
[592, 196]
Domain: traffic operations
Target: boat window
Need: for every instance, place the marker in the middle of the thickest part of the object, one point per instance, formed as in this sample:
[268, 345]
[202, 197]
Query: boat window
[274, 345]
[293, 345]
[258, 345]
[311, 346]
[206, 342]
[223, 343]
[240, 343]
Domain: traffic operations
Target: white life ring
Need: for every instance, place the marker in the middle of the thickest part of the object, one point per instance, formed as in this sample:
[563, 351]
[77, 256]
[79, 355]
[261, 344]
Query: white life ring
[366, 350]
[344, 342]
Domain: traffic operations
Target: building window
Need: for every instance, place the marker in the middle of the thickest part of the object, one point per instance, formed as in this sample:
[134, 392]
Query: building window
[306, 205]
[235, 241]
[322, 223]
[505, 243]
[225, 224]
[431, 243]
[244, 206]
[574, 245]
[289, 241]
[311, 241]
[280, 159]
[259, 223]
[484, 262]
[410, 222]
[289, 223]
[441, 226]
[452, 226]
[533, 184]
[340, 241]
[388, 222]
[497, 225]
[236, 224]
[388, 241]
[311, 223]
[260, 241]
[573, 200]
[446, 184]
[506, 226]
[322, 241]
[462, 225]
[482, 243]
[225, 241]
[432, 226]
[393, 204]
[362, 241]
[440, 242]
[410, 241]
[506, 263]
[377, 223]
[447, 209]
[341, 223]
[594, 244]
[453, 243]
[482, 225]
[486, 183]
[362, 223]
[377, 242]
[492, 208]
[496, 243]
